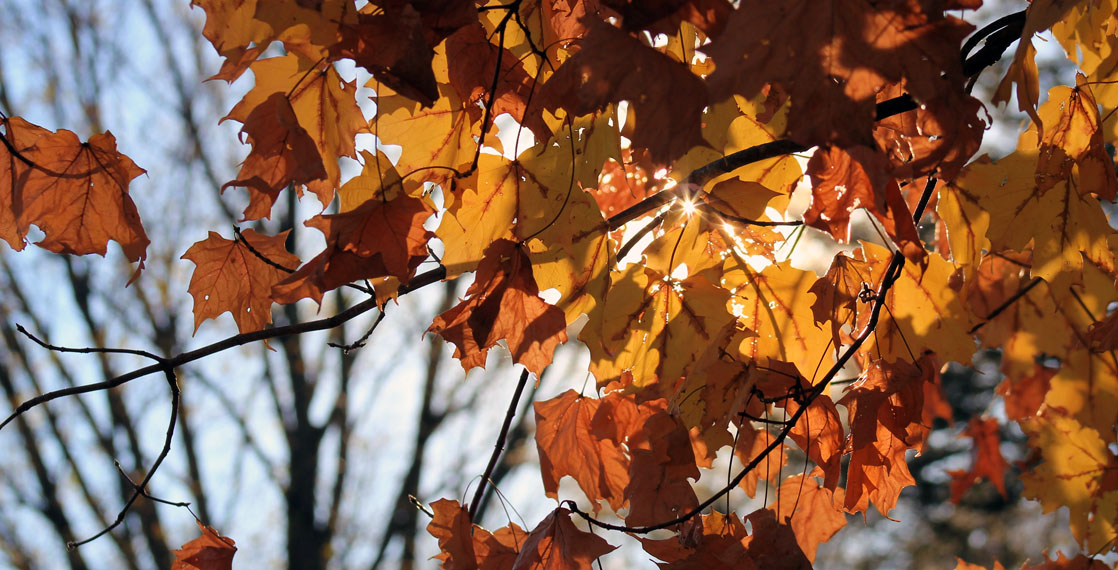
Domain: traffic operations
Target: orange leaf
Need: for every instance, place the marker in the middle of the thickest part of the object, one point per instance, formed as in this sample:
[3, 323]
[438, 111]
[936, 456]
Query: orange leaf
[229, 277]
[379, 238]
[986, 459]
[557, 544]
[845, 180]
[503, 303]
[79, 196]
[13, 175]
[470, 547]
[324, 105]
[810, 511]
[282, 154]
[567, 446]
[211, 551]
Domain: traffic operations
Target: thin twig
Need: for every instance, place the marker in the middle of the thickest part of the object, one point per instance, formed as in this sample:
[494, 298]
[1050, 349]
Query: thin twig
[348, 348]
[88, 349]
[418, 282]
[499, 445]
[1006, 304]
[138, 490]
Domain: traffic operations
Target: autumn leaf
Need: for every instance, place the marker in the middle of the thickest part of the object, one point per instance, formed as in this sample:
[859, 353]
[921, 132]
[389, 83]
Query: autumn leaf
[635, 326]
[22, 135]
[833, 74]
[380, 238]
[986, 459]
[715, 541]
[569, 446]
[811, 511]
[503, 303]
[611, 66]
[845, 180]
[465, 546]
[1077, 472]
[78, 195]
[923, 311]
[776, 306]
[324, 106]
[663, 461]
[231, 276]
[557, 544]
[211, 551]
[282, 154]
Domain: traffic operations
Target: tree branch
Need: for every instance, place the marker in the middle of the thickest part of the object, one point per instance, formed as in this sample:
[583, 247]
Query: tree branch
[498, 446]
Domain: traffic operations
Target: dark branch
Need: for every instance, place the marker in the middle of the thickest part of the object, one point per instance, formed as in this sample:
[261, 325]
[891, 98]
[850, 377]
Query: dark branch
[499, 445]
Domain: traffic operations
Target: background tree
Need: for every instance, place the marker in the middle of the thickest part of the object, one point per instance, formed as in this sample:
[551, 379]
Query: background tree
[629, 133]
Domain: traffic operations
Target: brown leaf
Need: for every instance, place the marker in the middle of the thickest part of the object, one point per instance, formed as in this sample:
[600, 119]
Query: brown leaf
[557, 544]
[667, 99]
[282, 154]
[211, 551]
[228, 276]
[663, 461]
[986, 459]
[465, 546]
[22, 135]
[834, 72]
[503, 303]
[568, 446]
[79, 196]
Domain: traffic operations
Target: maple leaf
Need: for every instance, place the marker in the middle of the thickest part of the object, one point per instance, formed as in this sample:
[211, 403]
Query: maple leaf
[635, 327]
[380, 238]
[441, 135]
[469, 547]
[775, 307]
[229, 276]
[472, 70]
[810, 510]
[503, 303]
[1022, 72]
[392, 45]
[78, 195]
[924, 311]
[569, 446]
[667, 99]
[662, 463]
[282, 153]
[834, 72]
[986, 459]
[845, 180]
[557, 544]
[22, 135]
[938, 137]
[211, 551]
[716, 541]
[324, 106]
[1077, 472]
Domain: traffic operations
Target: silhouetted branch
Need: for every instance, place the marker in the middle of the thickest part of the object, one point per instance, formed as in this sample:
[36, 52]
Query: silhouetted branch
[138, 489]
[499, 445]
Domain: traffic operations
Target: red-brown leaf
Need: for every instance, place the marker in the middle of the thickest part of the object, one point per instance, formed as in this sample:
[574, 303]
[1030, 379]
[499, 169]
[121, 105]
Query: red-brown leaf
[229, 277]
[503, 303]
[557, 544]
[78, 196]
[211, 551]
[282, 154]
